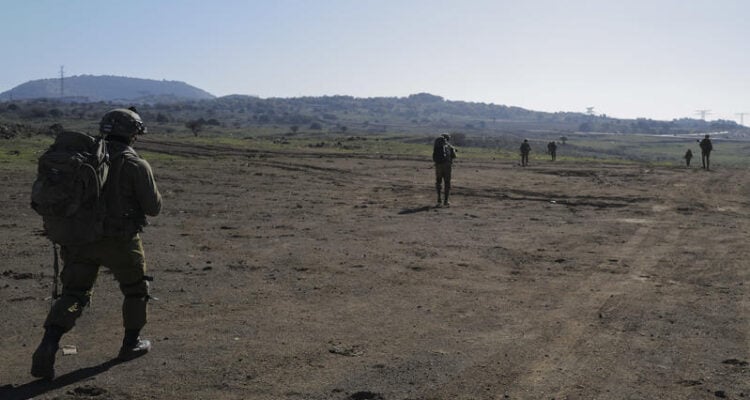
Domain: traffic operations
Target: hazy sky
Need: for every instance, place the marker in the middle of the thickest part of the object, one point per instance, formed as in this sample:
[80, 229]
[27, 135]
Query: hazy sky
[659, 59]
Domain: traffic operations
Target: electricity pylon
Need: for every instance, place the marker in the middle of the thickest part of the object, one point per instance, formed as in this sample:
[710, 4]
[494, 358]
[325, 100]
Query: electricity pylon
[703, 113]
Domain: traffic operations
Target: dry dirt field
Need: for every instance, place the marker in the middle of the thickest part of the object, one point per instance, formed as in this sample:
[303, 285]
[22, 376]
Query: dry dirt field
[317, 276]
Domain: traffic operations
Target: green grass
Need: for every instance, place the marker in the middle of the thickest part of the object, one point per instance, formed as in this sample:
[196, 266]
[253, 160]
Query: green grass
[22, 151]
[666, 151]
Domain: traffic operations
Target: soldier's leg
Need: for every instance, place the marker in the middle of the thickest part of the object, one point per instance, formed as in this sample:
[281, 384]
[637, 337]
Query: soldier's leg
[78, 277]
[438, 180]
[447, 177]
[125, 258]
[128, 264]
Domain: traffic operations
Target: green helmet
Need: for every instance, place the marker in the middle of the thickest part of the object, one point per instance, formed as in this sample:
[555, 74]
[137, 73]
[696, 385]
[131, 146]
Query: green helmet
[122, 122]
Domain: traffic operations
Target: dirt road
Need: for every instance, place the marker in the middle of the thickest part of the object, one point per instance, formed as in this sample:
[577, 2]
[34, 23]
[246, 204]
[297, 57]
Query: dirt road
[317, 276]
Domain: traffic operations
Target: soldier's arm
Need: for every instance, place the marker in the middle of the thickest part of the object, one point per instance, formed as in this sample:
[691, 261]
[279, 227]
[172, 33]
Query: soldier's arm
[146, 191]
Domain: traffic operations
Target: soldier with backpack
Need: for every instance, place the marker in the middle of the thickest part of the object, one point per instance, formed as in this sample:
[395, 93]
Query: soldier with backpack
[525, 149]
[443, 154]
[552, 150]
[97, 229]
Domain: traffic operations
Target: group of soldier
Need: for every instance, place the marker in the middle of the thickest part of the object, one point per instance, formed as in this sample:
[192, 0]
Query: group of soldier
[706, 148]
[132, 187]
[443, 165]
[526, 149]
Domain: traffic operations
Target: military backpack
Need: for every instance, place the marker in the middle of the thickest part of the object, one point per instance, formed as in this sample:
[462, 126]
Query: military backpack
[67, 192]
[441, 151]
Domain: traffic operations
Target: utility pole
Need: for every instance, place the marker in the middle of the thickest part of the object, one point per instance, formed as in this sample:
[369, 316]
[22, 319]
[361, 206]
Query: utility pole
[703, 113]
[742, 117]
[590, 110]
[62, 80]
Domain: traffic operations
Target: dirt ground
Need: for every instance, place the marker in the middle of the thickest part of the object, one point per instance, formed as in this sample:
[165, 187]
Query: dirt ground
[314, 276]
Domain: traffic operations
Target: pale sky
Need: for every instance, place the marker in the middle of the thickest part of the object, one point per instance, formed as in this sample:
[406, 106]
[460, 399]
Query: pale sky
[658, 59]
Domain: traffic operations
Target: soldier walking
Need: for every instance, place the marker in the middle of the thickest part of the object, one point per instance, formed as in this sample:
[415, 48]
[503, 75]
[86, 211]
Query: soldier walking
[552, 150]
[706, 148]
[443, 154]
[130, 193]
[688, 156]
[525, 150]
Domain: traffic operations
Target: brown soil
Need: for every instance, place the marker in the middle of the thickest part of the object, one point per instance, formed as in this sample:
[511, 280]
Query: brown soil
[311, 276]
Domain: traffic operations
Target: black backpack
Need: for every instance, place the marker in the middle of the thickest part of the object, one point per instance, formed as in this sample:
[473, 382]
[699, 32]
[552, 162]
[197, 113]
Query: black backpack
[67, 192]
[441, 151]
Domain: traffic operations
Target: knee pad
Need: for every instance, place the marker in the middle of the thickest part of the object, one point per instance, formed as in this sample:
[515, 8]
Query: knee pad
[82, 298]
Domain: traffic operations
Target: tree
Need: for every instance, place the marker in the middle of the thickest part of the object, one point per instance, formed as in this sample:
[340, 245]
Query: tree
[195, 125]
[459, 139]
[294, 128]
[563, 139]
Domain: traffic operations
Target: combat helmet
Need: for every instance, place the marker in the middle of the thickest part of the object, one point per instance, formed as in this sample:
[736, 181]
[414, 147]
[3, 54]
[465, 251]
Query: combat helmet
[122, 122]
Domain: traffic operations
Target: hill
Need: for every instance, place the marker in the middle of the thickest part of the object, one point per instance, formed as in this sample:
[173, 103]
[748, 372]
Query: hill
[89, 88]
[421, 113]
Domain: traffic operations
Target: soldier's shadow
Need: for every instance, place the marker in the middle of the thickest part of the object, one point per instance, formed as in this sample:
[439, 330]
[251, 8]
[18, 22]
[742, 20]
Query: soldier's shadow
[42, 386]
[414, 210]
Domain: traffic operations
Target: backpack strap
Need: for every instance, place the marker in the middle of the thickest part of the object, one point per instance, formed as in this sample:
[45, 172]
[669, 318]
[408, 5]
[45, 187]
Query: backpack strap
[119, 222]
[56, 268]
[118, 161]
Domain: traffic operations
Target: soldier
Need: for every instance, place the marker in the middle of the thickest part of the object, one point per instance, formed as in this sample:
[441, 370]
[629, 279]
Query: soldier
[525, 149]
[130, 194]
[688, 156]
[552, 150]
[443, 154]
[706, 148]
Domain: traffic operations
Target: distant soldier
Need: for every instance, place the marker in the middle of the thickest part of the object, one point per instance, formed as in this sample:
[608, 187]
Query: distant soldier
[688, 157]
[525, 150]
[706, 148]
[552, 150]
[443, 154]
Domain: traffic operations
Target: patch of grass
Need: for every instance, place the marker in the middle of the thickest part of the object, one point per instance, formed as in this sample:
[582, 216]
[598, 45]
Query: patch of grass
[23, 151]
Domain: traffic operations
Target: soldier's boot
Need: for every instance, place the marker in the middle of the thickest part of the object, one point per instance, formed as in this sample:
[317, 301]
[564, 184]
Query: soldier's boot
[445, 201]
[43, 360]
[133, 346]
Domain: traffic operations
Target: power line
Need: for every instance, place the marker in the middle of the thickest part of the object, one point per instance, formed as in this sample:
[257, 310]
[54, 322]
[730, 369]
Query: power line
[742, 117]
[62, 80]
[703, 113]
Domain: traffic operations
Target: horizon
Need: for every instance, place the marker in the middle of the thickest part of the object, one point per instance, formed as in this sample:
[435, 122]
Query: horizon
[346, 95]
[660, 60]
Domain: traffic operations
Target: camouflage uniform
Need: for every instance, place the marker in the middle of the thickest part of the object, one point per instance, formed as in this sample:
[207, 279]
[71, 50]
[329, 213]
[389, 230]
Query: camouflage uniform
[706, 148]
[552, 149]
[443, 172]
[131, 193]
[525, 149]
